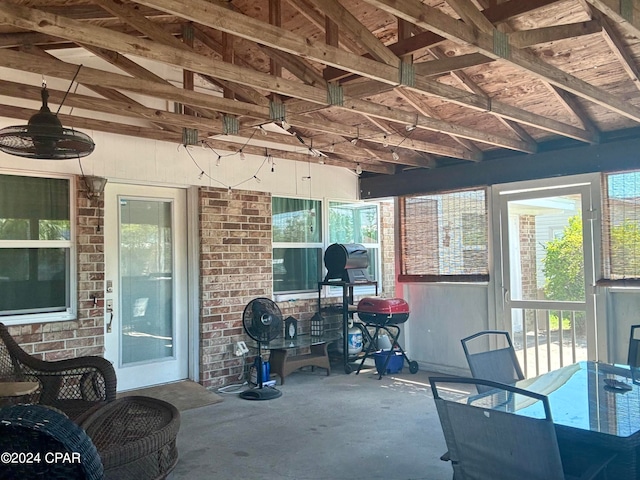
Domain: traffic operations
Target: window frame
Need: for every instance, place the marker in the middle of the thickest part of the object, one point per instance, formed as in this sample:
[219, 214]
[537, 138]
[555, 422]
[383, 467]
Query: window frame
[325, 242]
[71, 311]
[475, 278]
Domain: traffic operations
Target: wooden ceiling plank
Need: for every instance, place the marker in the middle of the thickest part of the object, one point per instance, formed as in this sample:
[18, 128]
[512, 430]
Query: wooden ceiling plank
[528, 38]
[482, 103]
[307, 10]
[421, 121]
[246, 94]
[620, 50]
[437, 21]
[350, 25]
[297, 66]
[418, 103]
[450, 64]
[572, 105]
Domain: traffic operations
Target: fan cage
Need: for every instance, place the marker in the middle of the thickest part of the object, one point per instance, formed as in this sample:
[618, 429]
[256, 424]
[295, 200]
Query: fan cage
[51, 142]
[257, 327]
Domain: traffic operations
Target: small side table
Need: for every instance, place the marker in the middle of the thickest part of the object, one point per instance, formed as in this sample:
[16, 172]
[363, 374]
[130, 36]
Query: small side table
[283, 360]
[18, 389]
[17, 392]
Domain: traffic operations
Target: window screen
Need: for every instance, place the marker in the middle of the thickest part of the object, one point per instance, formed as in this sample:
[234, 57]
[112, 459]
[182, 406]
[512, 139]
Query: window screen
[444, 237]
[621, 226]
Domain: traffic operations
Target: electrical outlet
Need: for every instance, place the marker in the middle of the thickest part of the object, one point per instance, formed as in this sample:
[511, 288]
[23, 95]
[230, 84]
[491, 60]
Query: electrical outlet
[241, 349]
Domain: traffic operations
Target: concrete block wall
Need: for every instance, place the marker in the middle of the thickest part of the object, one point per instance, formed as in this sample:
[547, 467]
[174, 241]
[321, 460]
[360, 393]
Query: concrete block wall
[85, 335]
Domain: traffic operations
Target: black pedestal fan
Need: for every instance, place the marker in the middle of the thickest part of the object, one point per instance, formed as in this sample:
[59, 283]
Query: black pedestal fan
[262, 320]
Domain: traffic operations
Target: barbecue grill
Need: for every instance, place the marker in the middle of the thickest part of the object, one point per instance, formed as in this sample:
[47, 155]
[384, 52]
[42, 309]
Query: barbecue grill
[347, 262]
[383, 315]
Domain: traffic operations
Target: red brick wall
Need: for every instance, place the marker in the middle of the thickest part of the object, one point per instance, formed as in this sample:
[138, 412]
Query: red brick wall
[235, 267]
[84, 336]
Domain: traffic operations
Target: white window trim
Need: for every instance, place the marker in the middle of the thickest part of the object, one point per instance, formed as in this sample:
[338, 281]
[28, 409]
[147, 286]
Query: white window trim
[326, 291]
[72, 312]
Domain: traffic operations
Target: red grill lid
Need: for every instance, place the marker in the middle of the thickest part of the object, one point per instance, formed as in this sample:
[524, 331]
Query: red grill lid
[385, 306]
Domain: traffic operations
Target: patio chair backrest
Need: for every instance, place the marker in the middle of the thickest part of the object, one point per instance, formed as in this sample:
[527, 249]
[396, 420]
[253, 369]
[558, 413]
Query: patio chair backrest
[487, 443]
[500, 364]
[73, 385]
[633, 357]
[43, 433]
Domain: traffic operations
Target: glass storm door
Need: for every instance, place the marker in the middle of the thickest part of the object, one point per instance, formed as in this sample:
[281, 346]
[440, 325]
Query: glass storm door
[547, 291]
[146, 309]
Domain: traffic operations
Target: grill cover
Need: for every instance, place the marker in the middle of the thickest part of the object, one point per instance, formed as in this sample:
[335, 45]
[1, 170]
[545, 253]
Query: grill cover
[347, 262]
[383, 311]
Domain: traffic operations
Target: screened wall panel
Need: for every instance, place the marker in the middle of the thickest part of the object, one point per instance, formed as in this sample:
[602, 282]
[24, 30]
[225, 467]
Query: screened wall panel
[621, 226]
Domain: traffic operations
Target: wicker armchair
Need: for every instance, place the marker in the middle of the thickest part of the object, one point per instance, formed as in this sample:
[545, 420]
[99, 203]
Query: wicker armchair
[33, 434]
[72, 386]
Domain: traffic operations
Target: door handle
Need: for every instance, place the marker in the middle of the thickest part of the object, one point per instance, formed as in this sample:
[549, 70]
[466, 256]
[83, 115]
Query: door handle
[110, 312]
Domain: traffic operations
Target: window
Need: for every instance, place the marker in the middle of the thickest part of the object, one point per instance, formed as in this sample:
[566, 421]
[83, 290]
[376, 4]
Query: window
[35, 246]
[621, 226]
[297, 244]
[356, 223]
[299, 240]
[444, 237]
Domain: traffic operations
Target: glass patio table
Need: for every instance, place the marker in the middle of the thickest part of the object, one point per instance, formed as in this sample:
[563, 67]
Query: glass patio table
[588, 413]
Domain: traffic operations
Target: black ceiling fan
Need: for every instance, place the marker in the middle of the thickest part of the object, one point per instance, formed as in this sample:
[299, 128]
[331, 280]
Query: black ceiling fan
[44, 137]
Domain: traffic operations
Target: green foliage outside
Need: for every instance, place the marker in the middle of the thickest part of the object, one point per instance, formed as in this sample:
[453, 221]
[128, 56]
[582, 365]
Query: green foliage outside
[625, 250]
[563, 264]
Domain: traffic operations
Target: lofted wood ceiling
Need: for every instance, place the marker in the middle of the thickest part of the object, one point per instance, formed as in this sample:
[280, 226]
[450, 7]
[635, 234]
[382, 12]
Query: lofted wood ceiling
[378, 85]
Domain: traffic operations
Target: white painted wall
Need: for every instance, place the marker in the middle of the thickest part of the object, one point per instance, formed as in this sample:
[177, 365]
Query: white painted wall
[121, 158]
[440, 315]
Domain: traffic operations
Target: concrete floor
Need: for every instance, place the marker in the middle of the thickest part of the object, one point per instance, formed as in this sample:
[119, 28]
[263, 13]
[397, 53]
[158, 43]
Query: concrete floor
[340, 427]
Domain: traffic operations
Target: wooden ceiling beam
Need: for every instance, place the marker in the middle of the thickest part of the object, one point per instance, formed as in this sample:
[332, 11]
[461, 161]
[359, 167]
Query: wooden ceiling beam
[316, 18]
[107, 93]
[470, 14]
[194, 61]
[572, 105]
[450, 64]
[34, 19]
[620, 50]
[212, 15]
[417, 102]
[350, 25]
[427, 39]
[164, 90]
[624, 13]
[528, 38]
[109, 106]
[442, 24]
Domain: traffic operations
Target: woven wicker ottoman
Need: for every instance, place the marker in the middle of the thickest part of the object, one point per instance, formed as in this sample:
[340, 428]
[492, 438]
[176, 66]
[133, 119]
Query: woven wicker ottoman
[135, 437]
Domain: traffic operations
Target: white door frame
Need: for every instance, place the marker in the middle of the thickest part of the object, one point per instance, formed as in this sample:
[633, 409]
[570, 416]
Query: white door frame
[131, 377]
[589, 186]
